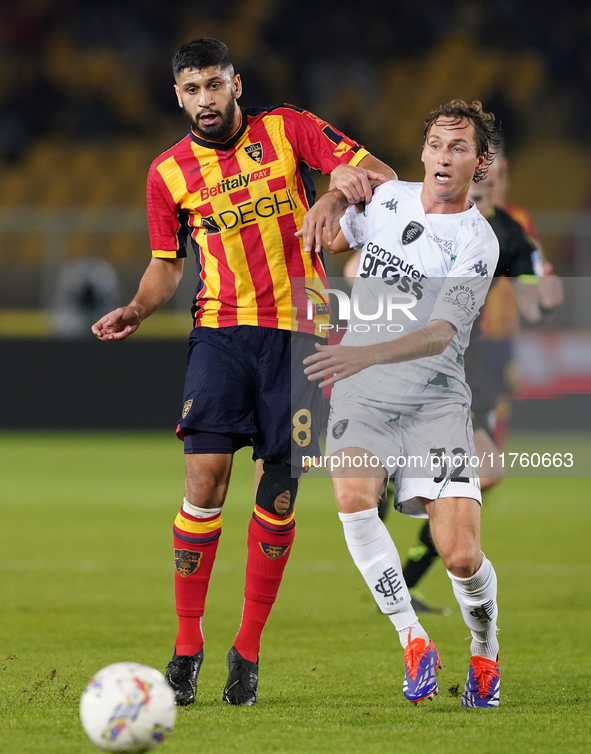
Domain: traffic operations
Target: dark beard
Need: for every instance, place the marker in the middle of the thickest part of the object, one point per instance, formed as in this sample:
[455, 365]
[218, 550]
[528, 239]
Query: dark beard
[222, 130]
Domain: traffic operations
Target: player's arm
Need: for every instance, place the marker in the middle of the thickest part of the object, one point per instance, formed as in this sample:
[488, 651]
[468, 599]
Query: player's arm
[357, 181]
[321, 227]
[550, 290]
[159, 282]
[334, 363]
[351, 166]
[537, 293]
[349, 185]
[527, 298]
[537, 297]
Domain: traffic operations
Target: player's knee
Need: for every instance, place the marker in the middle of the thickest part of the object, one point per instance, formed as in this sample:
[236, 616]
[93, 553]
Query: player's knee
[277, 488]
[205, 489]
[462, 563]
[354, 495]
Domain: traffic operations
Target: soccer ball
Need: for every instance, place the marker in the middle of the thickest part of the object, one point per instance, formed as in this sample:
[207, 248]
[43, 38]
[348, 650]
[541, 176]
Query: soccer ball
[127, 707]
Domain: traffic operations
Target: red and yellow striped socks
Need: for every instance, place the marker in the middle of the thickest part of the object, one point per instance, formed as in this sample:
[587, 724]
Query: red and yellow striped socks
[195, 546]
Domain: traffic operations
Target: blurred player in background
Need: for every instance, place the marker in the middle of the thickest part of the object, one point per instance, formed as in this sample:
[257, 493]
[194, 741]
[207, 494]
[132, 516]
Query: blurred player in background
[403, 396]
[523, 286]
[499, 322]
[235, 188]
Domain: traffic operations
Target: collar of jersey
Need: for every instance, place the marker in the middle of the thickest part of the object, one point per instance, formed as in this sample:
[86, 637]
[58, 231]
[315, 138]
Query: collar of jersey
[222, 146]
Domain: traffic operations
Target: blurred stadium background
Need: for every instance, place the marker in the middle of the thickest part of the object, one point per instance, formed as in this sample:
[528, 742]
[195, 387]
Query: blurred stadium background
[86, 103]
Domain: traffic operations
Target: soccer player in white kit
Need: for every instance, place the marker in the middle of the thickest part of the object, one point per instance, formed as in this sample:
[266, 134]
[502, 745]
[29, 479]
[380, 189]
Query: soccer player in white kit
[400, 406]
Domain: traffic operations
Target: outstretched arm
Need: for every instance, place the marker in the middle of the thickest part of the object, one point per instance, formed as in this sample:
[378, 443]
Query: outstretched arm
[348, 185]
[357, 183]
[536, 301]
[159, 282]
[321, 226]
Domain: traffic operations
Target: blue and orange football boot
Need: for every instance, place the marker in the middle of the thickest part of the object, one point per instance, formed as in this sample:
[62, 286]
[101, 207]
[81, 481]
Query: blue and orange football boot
[422, 663]
[483, 685]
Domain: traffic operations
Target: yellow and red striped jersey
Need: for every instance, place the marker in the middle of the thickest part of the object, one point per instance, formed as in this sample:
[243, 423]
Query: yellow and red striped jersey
[239, 203]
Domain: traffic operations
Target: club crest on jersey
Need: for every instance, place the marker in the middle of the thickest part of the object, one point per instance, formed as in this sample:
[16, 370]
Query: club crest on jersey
[187, 407]
[186, 562]
[255, 151]
[274, 551]
[339, 429]
[412, 231]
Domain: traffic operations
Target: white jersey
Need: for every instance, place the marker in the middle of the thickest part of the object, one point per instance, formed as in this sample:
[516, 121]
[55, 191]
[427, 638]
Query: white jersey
[414, 268]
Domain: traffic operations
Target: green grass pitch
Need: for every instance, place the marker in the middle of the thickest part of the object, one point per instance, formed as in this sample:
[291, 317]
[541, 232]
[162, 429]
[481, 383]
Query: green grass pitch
[86, 580]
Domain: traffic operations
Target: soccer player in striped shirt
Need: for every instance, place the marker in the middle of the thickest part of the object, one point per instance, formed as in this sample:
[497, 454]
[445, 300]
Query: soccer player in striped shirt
[235, 189]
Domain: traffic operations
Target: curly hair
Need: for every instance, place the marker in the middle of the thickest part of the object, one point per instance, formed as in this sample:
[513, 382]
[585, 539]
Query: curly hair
[486, 132]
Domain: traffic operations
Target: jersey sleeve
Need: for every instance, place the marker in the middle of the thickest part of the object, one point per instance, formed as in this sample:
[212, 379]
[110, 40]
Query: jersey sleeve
[354, 226]
[317, 143]
[168, 232]
[464, 291]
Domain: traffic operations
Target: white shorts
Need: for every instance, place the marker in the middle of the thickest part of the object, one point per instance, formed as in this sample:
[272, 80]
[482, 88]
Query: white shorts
[429, 451]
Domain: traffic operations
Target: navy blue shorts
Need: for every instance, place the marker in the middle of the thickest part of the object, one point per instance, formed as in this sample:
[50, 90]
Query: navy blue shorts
[240, 383]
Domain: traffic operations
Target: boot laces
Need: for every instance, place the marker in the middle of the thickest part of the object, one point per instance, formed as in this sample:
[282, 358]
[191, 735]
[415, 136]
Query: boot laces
[485, 674]
[412, 655]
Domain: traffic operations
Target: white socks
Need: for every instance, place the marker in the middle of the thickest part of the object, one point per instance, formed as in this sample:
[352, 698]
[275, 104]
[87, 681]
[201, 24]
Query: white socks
[196, 512]
[477, 598]
[377, 559]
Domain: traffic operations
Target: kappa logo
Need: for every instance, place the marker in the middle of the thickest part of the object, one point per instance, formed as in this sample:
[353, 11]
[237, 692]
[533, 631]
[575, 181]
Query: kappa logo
[274, 551]
[187, 407]
[339, 429]
[186, 562]
[480, 268]
[255, 151]
[391, 204]
[412, 231]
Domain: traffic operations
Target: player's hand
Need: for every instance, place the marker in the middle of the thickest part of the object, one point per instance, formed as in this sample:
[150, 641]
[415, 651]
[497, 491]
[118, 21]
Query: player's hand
[356, 183]
[550, 290]
[320, 216]
[334, 363]
[117, 325]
